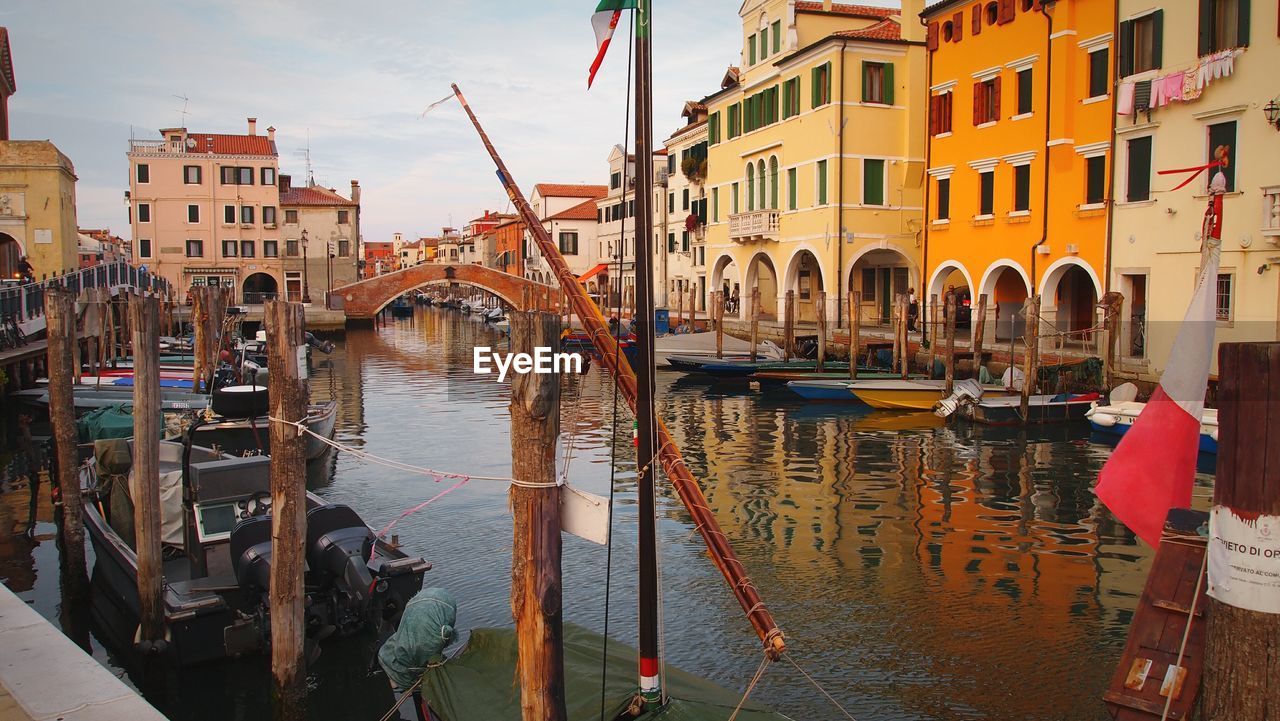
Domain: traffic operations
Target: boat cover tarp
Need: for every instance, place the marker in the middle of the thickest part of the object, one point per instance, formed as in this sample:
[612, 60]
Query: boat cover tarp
[426, 628]
[480, 683]
[114, 421]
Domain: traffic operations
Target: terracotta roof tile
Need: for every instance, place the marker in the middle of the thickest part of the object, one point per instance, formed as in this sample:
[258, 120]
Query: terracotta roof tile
[582, 211]
[313, 195]
[883, 30]
[232, 144]
[566, 190]
[861, 11]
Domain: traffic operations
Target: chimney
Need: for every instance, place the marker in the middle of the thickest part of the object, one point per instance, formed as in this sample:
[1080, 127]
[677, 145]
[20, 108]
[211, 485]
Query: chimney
[253, 126]
[912, 30]
[271, 133]
[355, 192]
[826, 6]
[286, 182]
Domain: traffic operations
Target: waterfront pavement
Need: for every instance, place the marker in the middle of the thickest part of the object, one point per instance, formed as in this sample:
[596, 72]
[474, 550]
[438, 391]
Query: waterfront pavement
[44, 676]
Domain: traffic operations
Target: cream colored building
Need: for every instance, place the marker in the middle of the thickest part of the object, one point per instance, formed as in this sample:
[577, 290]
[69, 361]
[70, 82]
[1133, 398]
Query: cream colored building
[204, 210]
[331, 224]
[680, 218]
[569, 214]
[1155, 233]
[816, 158]
[37, 208]
[616, 235]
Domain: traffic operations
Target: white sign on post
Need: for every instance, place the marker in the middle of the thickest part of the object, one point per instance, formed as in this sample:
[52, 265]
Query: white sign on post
[585, 515]
[302, 361]
[1244, 560]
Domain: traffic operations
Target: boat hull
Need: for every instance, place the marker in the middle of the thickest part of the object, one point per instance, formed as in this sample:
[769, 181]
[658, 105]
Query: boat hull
[252, 436]
[909, 395]
[1207, 442]
[822, 390]
[1010, 414]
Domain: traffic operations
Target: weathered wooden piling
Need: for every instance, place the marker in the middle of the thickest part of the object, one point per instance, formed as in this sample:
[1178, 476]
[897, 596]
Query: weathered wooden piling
[287, 390]
[755, 321]
[1032, 357]
[979, 334]
[855, 331]
[820, 310]
[950, 358]
[144, 322]
[679, 309]
[536, 549]
[60, 319]
[789, 326]
[719, 310]
[693, 309]
[933, 324]
[901, 340]
[1242, 646]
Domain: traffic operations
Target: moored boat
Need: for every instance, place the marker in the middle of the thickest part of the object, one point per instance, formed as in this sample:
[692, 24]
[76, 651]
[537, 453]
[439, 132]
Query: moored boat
[910, 395]
[1007, 410]
[1116, 418]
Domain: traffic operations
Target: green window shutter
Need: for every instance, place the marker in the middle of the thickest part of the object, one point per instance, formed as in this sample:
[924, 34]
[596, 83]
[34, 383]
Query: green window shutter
[764, 43]
[773, 183]
[777, 36]
[866, 81]
[822, 182]
[1157, 39]
[786, 99]
[1124, 61]
[733, 202]
[715, 205]
[791, 189]
[813, 88]
[751, 50]
[888, 83]
[826, 76]
[1205, 37]
[872, 182]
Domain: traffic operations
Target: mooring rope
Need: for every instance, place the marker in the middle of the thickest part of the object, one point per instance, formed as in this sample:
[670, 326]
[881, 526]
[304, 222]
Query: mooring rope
[764, 664]
[395, 708]
[818, 686]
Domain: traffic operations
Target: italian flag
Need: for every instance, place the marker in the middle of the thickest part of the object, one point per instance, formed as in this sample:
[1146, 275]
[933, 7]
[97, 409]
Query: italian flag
[604, 21]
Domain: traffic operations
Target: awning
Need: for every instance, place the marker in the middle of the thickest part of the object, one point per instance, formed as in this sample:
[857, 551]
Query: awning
[211, 271]
[593, 272]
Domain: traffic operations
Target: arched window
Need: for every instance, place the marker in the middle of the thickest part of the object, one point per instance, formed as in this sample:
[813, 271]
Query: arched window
[947, 31]
[751, 186]
[773, 182]
[760, 172]
[993, 13]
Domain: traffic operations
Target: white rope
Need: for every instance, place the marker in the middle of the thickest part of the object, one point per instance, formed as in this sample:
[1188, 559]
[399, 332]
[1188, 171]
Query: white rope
[394, 710]
[818, 686]
[764, 663]
[405, 467]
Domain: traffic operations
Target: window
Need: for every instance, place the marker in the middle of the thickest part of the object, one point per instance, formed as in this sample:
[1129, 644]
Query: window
[877, 83]
[944, 198]
[193, 213]
[1222, 134]
[986, 101]
[948, 31]
[344, 217]
[713, 128]
[344, 248]
[1021, 188]
[615, 181]
[291, 248]
[195, 248]
[229, 214]
[191, 174]
[820, 79]
[1024, 91]
[684, 241]
[764, 43]
[569, 242]
[822, 182]
[777, 36]
[268, 215]
[686, 199]
[1222, 297]
[940, 113]
[1095, 189]
[751, 186]
[270, 248]
[1141, 43]
[144, 212]
[1099, 77]
[1224, 24]
[992, 11]
[734, 199]
[1138, 175]
[268, 176]
[246, 214]
[671, 202]
[631, 208]
[237, 176]
[868, 284]
[715, 205]
[246, 248]
[671, 164]
[986, 192]
[791, 98]
[791, 189]
[735, 120]
[291, 217]
[143, 173]
[229, 248]
[872, 182]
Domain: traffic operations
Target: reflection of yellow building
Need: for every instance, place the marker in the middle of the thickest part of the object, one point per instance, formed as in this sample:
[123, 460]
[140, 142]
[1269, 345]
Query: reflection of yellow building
[816, 156]
[1017, 88]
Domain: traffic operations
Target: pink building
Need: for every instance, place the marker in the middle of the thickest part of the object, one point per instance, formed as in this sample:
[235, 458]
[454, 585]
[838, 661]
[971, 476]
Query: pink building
[204, 210]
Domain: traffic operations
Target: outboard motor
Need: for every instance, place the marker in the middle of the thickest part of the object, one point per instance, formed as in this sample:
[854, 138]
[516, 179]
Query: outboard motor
[965, 392]
[251, 553]
[322, 345]
[339, 546]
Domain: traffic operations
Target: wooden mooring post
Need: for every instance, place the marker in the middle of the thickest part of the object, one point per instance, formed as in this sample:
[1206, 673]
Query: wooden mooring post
[719, 311]
[979, 334]
[755, 322]
[820, 311]
[950, 358]
[60, 319]
[144, 323]
[855, 331]
[679, 309]
[789, 326]
[287, 390]
[536, 549]
[1032, 354]
[693, 309]
[1242, 646]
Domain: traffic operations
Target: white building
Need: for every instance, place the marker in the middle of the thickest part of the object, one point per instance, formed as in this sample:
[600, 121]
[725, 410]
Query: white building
[680, 217]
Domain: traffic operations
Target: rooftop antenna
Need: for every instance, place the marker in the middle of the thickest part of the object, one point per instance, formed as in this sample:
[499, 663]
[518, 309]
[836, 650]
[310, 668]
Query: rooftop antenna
[306, 153]
[182, 123]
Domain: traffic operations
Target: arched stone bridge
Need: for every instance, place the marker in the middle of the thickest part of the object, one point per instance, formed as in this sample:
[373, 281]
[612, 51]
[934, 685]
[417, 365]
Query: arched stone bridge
[364, 299]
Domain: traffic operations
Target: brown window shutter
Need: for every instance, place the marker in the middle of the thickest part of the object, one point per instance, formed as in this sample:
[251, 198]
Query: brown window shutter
[995, 98]
[976, 25]
[931, 36]
[946, 123]
[957, 27]
[977, 103]
[1007, 10]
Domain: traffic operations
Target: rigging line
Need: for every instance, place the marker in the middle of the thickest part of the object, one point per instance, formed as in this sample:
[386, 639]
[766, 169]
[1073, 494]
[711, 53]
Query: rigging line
[395, 708]
[1186, 633]
[764, 664]
[617, 353]
[420, 506]
[818, 686]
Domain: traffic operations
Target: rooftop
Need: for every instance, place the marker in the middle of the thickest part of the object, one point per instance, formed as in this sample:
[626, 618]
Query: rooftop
[857, 11]
[314, 196]
[565, 190]
[581, 211]
[887, 29]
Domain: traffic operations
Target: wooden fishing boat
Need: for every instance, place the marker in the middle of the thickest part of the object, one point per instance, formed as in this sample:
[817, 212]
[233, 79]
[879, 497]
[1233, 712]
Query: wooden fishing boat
[252, 436]
[775, 378]
[1007, 410]
[703, 346]
[218, 556]
[909, 395]
[823, 389]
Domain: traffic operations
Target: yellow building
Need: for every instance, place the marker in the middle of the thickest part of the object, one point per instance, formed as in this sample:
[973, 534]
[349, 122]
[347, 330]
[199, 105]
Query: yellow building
[1018, 87]
[37, 208]
[1154, 250]
[816, 157]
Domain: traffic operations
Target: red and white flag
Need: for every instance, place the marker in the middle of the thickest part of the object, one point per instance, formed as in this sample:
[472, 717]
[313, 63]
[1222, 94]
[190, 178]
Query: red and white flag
[604, 21]
[1154, 466]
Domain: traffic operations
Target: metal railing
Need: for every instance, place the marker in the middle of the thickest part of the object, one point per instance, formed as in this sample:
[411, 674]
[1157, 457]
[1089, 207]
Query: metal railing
[25, 302]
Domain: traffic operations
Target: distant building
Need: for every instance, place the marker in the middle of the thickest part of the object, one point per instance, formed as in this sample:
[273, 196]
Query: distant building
[204, 210]
[478, 244]
[616, 234]
[449, 247]
[680, 218]
[99, 246]
[568, 213]
[379, 258]
[332, 227]
[509, 246]
[37, 208]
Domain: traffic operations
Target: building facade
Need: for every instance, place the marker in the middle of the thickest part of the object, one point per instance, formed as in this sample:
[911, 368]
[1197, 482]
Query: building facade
[616, 227]
[37, 209]
[322, 237]
[379, 257]
[568, 213]
[509, 240]
[680, 218]
[1216, 59]
[204, 210]
[816, 157]
[100, 245]
[1020, 97]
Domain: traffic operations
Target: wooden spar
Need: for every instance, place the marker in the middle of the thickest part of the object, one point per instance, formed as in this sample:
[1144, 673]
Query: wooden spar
[951, 343]
[60, 317]
[144, 322]
[821, 310]
[979, 333]
[536, 548]
[755, 321]
[855, 331]
[673, 464]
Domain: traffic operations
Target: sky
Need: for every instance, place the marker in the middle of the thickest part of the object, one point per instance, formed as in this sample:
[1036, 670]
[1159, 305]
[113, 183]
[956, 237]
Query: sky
[350, 80]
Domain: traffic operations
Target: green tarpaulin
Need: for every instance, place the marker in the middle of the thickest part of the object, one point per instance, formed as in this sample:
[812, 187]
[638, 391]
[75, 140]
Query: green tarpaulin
[480, 683]
[108, 422]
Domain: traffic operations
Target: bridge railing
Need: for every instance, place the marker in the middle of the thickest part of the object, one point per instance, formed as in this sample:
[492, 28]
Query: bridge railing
[25, 302]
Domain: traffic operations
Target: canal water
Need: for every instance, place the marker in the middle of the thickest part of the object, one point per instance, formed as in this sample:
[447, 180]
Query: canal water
[919, 571]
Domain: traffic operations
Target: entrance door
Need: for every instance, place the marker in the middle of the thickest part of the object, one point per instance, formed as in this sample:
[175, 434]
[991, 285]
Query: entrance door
[885, 291]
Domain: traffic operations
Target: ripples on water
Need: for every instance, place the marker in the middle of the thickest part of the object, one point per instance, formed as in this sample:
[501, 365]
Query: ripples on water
[919, 571]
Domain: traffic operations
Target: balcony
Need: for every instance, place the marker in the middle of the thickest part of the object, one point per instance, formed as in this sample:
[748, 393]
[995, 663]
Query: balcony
[755, 225]
[1271, 214]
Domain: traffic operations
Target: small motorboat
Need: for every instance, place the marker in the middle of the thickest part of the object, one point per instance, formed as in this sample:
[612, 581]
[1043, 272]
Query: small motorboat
[823, 389]
[703, 345]
[89, 397]
[910, 395]
[1116, 416]
[218, 556]
[969, 400]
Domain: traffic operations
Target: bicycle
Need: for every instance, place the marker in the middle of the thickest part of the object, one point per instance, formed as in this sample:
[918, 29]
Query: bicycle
[11, 335]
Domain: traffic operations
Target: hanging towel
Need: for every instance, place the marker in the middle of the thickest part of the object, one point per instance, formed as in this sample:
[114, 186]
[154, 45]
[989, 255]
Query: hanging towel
[1158, 99]
[1190, 88]
[1172, 86]
[1124, 98]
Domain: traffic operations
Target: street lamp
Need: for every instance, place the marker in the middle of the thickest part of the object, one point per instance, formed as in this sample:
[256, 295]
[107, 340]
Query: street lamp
[1272, 111]
[328, 274]
[306, 289]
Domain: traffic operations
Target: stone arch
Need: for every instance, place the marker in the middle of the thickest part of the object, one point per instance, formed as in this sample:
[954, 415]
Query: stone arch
[877, 271]
[259, 287]
[1007, 286]
[803, 258]
[993, 272]
[364, 299]
[767, 282]
[938, 279]
[1053, 275]
[10, 251]
[1069, 293]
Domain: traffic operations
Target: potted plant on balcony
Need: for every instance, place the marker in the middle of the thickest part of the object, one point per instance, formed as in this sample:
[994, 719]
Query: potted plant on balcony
[694, 168]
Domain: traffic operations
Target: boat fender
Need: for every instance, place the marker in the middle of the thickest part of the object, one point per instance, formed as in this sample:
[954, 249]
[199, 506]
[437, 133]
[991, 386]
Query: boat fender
[1106, 420]
[1214, 434]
